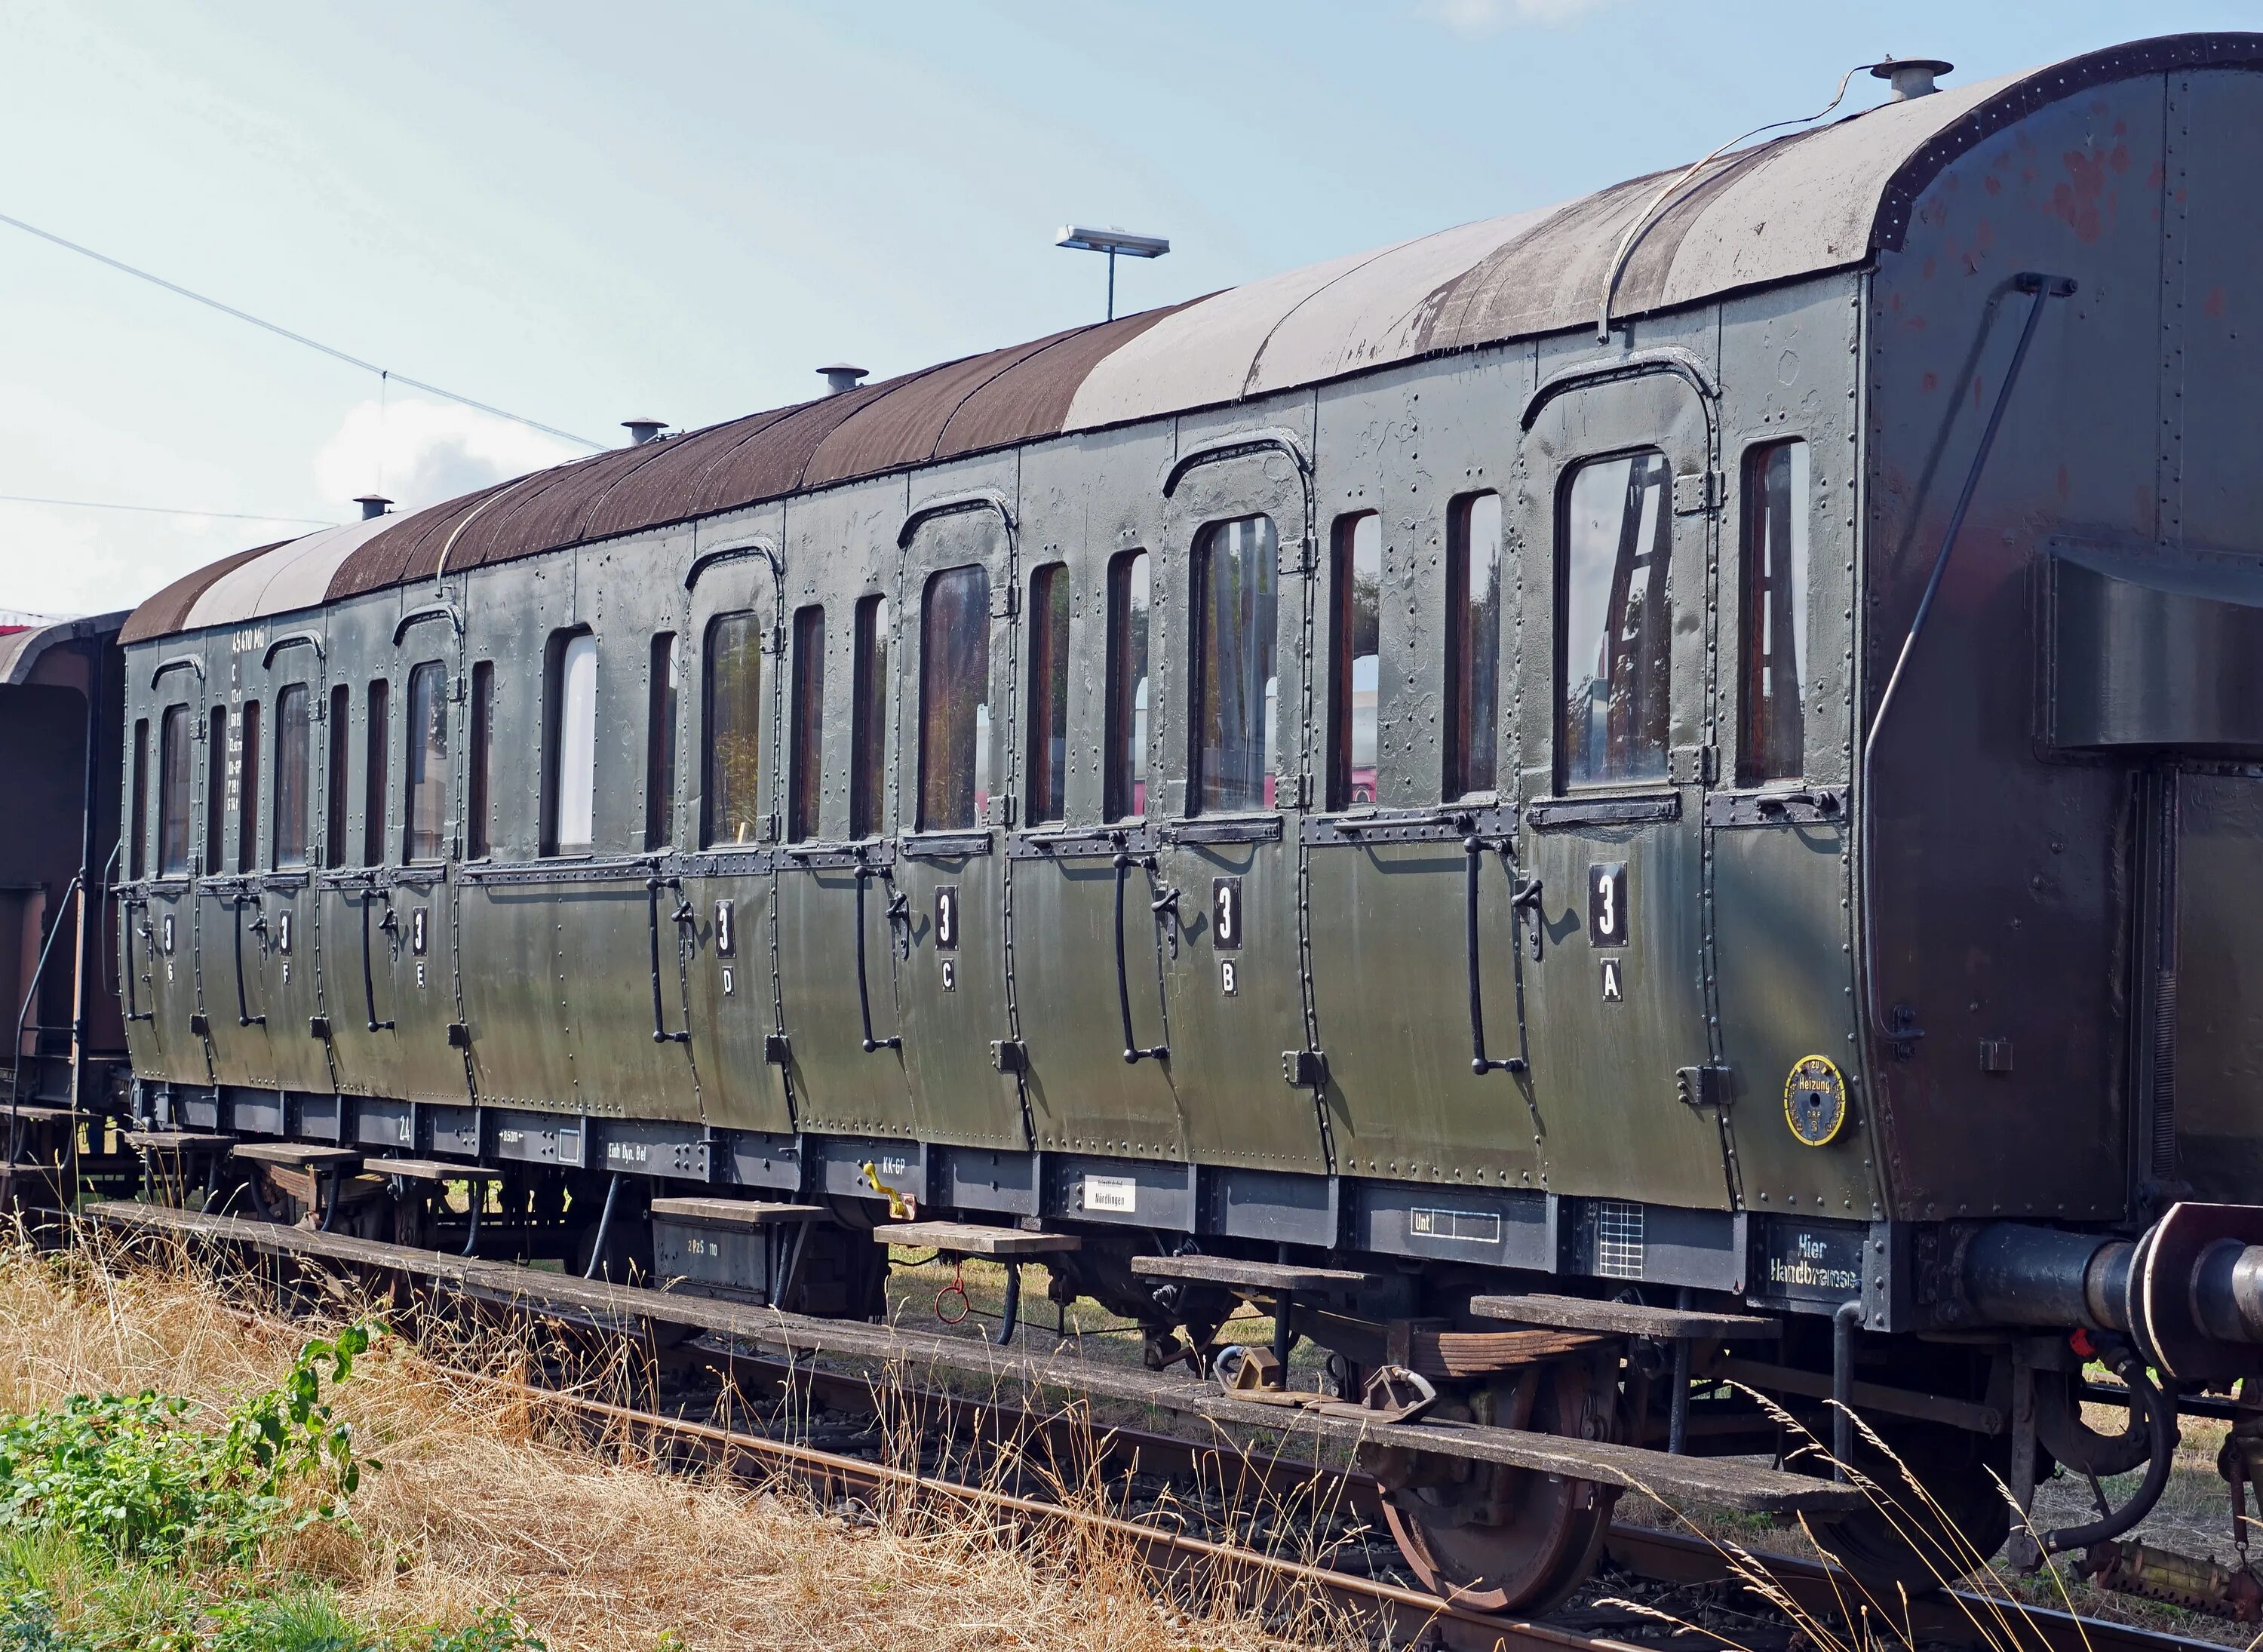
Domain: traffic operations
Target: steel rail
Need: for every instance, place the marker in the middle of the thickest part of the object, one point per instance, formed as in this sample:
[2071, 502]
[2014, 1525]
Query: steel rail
[1981, 1618]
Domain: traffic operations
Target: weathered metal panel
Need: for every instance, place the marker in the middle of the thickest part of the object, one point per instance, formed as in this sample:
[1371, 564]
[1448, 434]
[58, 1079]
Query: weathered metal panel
[1031, 399]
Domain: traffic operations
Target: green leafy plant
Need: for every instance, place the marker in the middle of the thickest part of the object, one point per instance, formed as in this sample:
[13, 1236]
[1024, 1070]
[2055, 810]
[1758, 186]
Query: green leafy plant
[287, 1435]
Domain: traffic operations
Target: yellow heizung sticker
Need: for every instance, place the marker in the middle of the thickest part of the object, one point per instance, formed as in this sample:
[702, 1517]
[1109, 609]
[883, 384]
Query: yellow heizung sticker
[1815, 1100]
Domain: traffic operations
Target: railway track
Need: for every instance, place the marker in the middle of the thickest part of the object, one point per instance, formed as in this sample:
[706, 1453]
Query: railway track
[1213, 1567]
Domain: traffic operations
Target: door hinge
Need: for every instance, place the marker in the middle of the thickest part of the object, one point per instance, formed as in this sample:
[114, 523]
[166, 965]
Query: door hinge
[1009, 1055]
[1696, 493]
[1305, 1069]
[1000, 810]
[1691, 765]
[460, 1036]
[1902, 1031]
[777, 1050]
[1005, 600]
[1702, 1086]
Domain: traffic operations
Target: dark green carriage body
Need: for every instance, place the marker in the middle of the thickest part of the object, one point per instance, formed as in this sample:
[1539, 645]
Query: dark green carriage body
[1988, 986]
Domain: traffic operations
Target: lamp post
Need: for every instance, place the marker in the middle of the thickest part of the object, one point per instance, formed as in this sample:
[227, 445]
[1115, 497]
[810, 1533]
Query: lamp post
[1078, 238]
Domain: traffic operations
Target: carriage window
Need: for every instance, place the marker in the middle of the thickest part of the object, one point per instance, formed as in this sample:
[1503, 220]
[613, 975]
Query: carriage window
[478, 844]
[954, 699]
[1354, 659]
[293, 738]
[378, 743]
[1472, 644]
[570, 760]
[1048, 693]
[1772, 743]
[173, 786]
[1126, 781]
[868, 716]
[1235, 688]
[805, 799]
[1613, 536]
[425, 827]
[733, 703]
[247, 791]
[659, 746]
[336, 807]
[217, 792]
[137, 856]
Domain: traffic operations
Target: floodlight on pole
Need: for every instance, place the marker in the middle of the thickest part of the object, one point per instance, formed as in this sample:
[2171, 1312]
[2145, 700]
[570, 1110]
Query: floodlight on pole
[1080, 238]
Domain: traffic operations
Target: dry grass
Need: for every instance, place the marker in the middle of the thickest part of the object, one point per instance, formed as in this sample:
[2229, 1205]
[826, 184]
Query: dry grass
[480, 1504]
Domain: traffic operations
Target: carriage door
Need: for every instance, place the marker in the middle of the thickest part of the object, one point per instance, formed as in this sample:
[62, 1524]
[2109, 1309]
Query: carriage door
[158, 950]
[1234, 757]
[286, 942]
[718, 691]
[959, 1044]
[232, 923]
[1618, 501]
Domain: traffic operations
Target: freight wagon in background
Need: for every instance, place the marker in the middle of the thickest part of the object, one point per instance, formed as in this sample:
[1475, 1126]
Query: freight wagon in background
[1652, 792]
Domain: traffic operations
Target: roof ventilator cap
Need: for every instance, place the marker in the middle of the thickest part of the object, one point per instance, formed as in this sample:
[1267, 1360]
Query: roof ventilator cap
[643, 431]
[841, 376]
[373, 505]
[1911, 77]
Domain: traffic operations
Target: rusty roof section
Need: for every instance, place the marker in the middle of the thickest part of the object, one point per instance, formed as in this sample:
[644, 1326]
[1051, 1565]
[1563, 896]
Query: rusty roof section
[163, 613]
[1826, 198]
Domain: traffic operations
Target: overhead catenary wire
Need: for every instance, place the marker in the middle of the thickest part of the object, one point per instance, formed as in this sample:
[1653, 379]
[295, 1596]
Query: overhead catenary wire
[164, 509]
[281, 331]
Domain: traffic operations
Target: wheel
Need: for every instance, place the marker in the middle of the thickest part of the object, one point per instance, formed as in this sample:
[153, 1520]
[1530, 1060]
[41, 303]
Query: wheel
[1499, 1539]
[1935, 1519]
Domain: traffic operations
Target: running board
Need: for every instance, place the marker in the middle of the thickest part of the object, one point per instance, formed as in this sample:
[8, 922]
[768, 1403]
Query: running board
[1719, 1481]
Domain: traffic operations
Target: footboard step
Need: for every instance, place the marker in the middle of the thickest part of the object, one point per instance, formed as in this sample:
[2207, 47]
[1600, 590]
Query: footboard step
[172, 1141]
[1237, 1274]
[745, 1213]
[432, 1170]
[973, 1239]
[1621, 1319]
[299, 1155]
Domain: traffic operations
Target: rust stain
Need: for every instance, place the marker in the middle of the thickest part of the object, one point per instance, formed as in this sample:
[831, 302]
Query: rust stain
[2065, 482]
[2082, 200]
[1929, 382]
[2118, 159]
[2213, 305]
[1993, 184]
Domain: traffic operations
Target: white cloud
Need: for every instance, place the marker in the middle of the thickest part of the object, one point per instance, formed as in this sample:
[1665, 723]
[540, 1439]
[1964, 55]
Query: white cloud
[1483, 17]
[418, 453]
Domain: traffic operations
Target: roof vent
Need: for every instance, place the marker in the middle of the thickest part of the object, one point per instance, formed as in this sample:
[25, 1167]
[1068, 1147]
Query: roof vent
[841, 376]
[643, 431]
[373, 505]
[1911, 77]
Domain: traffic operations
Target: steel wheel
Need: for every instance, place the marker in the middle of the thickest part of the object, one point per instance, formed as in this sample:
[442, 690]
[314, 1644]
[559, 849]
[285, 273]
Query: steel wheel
[1499, 1539]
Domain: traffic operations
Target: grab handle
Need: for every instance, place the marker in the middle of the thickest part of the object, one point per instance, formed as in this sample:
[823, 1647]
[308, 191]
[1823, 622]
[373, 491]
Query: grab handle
[134, 925]
[243, 1016]
[1133, 1053]
[863, 993]
[653, 885]
[1526, 894]
[368, 979]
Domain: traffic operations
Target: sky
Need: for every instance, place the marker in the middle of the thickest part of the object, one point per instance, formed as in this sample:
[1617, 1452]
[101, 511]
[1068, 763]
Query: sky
[586, 213]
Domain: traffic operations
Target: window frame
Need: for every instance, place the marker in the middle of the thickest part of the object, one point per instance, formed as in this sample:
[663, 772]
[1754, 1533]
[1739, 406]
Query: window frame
[930, 774]
[1470, 757]
[1561, 686]
[1125, 752]
[663, 704]
[1343, 554]
[479, 733]
[435, 778]
[1267, 637]
[337, 776]
[712, 825]
[1800, 548]
[252, 723]
[137, 860]
[560, 651]
[302, 846]
[167, 743]
[377, 760]
[805, 767]
[217, 726]
[868, 715]
[1045, 723]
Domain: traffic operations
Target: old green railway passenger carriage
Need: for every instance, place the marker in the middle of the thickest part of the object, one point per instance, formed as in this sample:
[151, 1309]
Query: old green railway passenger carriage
[1697, 750]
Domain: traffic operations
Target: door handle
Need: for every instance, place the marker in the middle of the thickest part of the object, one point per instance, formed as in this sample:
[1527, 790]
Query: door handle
[864, 873]
[135, 926]
[243, 1016]
[1133, 1053]
[1526, 894]
[653, 885]
[368, 980]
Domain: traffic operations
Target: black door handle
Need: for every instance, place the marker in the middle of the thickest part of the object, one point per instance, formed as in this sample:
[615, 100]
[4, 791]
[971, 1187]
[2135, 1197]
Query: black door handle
[863, 993]
[652, 887]
[1526, 894]
[243, 1016]
[368, 980]
[1133, 1053]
